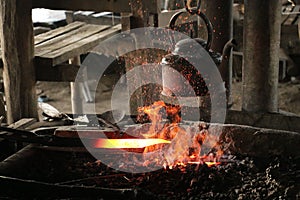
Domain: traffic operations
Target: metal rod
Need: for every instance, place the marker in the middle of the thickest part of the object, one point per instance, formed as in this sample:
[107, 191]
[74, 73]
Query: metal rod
[76, 98]
[15, 187]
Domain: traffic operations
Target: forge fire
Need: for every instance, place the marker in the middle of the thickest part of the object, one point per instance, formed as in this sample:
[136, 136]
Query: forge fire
[164, 141]
[186, 144]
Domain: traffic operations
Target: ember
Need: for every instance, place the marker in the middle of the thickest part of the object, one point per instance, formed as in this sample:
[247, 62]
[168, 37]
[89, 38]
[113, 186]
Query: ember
[245, 178]
[210, 164]
[67, 173]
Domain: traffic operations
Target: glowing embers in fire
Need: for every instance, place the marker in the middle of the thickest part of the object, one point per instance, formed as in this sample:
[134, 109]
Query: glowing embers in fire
[187, 142]
[165, 142]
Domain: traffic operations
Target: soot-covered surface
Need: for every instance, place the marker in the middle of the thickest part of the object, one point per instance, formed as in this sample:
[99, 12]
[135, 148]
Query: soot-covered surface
[238, 178]
[247, 178]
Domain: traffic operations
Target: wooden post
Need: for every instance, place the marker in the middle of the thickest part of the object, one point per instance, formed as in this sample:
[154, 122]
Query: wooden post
[261, 62]
[18, 52]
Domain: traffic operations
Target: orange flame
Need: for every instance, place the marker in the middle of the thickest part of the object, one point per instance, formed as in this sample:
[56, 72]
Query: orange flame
[181, 150]
[183, 145]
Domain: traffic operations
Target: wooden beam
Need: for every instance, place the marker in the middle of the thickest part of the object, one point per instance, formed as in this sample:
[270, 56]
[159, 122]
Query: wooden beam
[23, 123]
[67, 39]
[18, 53]
[117, 6]
[57, 32]
[9, 147]
[81, 46]
[58, 73]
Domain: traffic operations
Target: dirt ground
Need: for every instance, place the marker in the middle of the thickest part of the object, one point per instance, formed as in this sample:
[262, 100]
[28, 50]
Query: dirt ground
[59, 95]
[288, 94]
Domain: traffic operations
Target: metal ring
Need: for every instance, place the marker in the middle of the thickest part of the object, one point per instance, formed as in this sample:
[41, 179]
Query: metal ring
[208, 24]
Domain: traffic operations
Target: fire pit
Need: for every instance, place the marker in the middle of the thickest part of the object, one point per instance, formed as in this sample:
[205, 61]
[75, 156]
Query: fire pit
[255, 164]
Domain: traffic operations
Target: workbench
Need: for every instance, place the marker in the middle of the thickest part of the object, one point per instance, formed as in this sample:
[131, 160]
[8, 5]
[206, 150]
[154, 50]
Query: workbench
[17, 44]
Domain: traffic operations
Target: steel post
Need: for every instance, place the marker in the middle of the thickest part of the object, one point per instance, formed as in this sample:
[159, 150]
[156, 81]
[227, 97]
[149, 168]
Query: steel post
[260, 60]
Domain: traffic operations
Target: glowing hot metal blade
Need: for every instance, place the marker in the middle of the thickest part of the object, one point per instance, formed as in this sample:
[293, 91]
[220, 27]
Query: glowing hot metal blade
[128, 143]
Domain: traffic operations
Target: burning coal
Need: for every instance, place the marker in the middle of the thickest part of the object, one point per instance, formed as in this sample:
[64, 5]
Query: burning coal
[162, 139]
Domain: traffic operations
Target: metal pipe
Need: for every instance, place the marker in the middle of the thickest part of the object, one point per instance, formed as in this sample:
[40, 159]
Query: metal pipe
[220, 14]
[76, 99]
[261, 45]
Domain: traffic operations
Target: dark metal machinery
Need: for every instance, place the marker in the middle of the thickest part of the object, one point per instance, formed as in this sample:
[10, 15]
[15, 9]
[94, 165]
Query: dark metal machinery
[220, 14]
